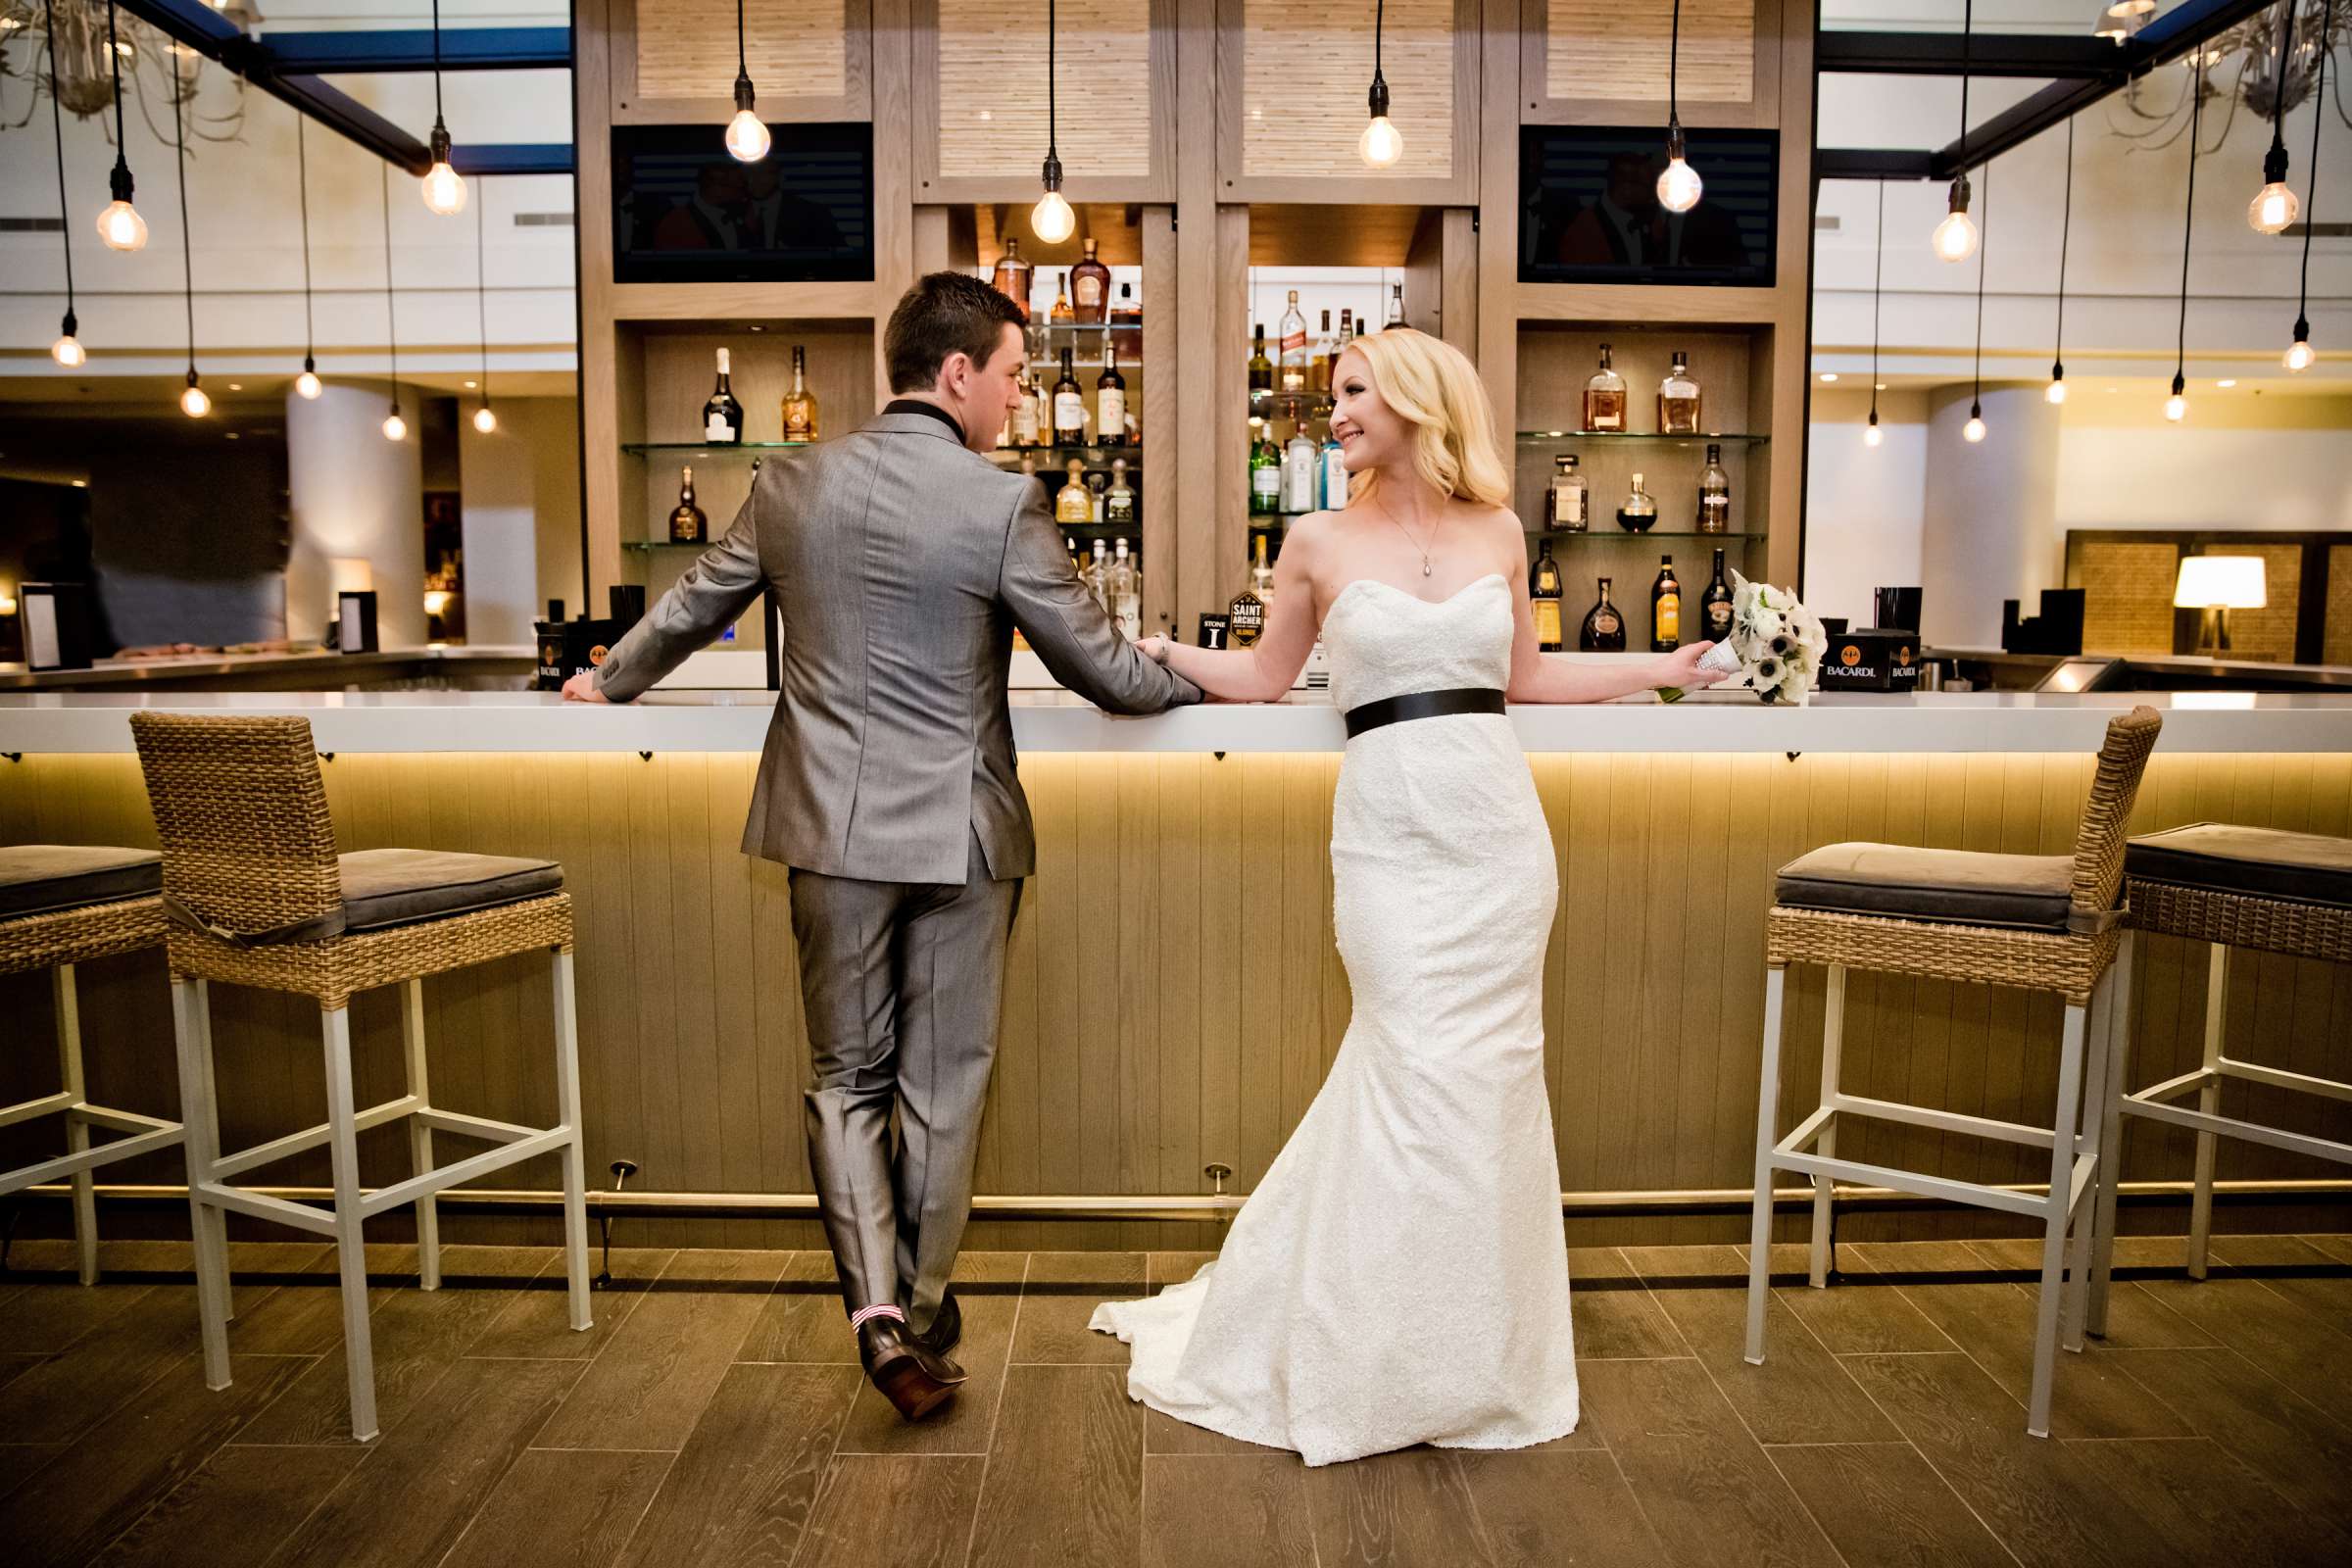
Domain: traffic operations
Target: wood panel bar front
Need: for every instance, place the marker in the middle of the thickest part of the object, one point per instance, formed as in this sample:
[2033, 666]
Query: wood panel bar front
[1175, 996]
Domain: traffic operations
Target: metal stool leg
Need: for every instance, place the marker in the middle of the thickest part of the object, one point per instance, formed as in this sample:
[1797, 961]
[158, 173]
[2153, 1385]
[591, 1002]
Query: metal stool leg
[200, 1146]
[567, 1107]
[77, 1130]
[2081, 1133]
[2053, 1242]
[351, 1253]
[1768, 1094]
[2209, 1101]
[1833, 1040]
[420, 1136]
[2111, 1135]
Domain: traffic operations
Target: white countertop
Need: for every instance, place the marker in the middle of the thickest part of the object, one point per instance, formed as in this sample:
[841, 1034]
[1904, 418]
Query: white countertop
[1048, 721]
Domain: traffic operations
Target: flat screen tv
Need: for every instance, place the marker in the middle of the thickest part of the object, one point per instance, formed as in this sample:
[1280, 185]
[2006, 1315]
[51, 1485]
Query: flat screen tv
[686, 212]
[1589, 208]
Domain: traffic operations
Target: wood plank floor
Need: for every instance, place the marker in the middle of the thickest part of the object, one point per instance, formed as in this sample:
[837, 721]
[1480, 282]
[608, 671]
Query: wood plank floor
[716, 1417]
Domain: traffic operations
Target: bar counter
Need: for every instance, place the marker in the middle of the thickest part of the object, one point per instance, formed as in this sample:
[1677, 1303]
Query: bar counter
[1174, 997]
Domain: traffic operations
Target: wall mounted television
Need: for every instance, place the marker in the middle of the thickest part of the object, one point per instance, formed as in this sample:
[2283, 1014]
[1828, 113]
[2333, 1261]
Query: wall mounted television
[686, 212]
[1589, 209]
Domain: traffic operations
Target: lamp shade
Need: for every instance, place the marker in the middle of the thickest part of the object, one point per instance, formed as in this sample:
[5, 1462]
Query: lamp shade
[2221, 582]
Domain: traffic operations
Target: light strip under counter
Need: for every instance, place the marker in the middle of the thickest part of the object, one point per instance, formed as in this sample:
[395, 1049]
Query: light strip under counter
[1059, 721]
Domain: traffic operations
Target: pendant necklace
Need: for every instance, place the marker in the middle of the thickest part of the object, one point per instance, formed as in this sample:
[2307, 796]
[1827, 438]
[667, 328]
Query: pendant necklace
[1409, 539]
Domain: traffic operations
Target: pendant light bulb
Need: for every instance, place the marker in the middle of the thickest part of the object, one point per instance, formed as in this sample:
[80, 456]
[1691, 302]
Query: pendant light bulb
[444, 187]
[1955, 238]
[1679, 187]
[1052, 219]
[2176, 407]
[307, 385]
[67, 351]
[1380, 146]
[2299, 356]
[194, 403]
[748, 139]
[2055, 392]
[1974, 429]
[2275, 206]
[1872, 435]
[396, 428]
[119, 224]
[484, 420]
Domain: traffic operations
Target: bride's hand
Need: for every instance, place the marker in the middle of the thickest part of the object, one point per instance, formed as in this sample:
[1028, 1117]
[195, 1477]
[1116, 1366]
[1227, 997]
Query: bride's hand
[1681, 667]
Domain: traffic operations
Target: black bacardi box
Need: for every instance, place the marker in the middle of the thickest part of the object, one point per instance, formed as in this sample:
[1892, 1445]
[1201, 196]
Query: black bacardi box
[1872, 660]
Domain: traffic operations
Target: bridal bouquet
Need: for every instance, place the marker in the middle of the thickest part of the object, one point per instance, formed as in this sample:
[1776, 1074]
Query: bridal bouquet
[1774, 648]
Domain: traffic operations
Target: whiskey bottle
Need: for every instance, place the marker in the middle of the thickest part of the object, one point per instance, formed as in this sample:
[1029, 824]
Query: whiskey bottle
[1118, 502]
[1022, 426]
[1014, 275]
[1090, 288]
[1678, 399]
[1110, 401]
[722, 416]
[1604, 398]
[1544, 592]
[1569, 507]
[800, 404]
[687, 525]
[1715, 605]
[1395, 307]
[1060, 319]
[1665, 609]
[1124, 590]
[1069, 407]
[1261, 378]
[1294, 350]
[1075, 503]
[1338, 346]
[1265, 474]
[1127, 325]
[1714, 494]
[1302, 466]
[1637, 512]
[1319, 368]
[1604, 630]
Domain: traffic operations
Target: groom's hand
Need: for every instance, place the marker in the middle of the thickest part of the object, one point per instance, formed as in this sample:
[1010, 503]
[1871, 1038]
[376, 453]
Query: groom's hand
[581, 688]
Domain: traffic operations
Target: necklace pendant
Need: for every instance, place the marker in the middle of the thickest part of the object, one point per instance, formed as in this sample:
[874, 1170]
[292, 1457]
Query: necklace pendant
[1424, 566]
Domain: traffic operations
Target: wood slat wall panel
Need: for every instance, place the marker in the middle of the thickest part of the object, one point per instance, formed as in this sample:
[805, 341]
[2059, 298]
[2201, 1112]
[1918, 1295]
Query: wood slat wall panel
[2336, 633]
[2128, 597]
[992, 87]
[1304, 73]
[1174, 995]
[1597, 49]
[686, 49]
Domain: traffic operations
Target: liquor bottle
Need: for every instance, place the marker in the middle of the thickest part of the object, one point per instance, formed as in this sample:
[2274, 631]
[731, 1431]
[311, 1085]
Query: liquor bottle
[1604, 630]
[1678, 399]
[722, 416]
[1245, 617]
[687, 525]
[1075, 503]
[1060, 319]
[1665, 609]
[1604, 398]
[1090, 287]
[1319, 368]
[1022, 426]
[1715, 605]
[1111, 402]
[1395, 307]
[1636, 513]
[1098, 575]
[1261, 377]
[1118, 502]
[1301, 467]
[1571, 503]
[800, 404]
[1265, 474]
[1335, 474]
[1714, 494]
[1294, 349]
[1013, 275]
[1069, 407]
[1098, 485]
[1262, 575]
[1338, 346]
[1124, 589]
[1544, 591]
[1127, 325]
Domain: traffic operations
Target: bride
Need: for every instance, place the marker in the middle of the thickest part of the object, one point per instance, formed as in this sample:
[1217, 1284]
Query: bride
[1400, 1275]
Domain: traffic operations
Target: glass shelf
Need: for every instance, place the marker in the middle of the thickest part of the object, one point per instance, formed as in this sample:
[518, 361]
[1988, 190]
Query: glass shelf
[665, 544]
[710, 449]
[1651, 533]
[1060, 456]
[1545, 438]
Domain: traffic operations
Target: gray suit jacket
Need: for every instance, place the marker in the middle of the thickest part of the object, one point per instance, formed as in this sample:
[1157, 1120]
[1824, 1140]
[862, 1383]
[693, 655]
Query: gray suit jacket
[903, 562]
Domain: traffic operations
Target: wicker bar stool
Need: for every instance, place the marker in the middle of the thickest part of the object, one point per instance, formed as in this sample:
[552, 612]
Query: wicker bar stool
[62, 905]
[255, 895]
[2231, 887]
[2036, 923]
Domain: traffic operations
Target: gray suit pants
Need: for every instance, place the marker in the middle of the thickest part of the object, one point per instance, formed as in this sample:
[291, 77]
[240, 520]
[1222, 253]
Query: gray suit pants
[900, 981]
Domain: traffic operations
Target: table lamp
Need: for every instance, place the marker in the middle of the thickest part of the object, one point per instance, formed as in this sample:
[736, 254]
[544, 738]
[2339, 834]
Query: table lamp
[2217, 585]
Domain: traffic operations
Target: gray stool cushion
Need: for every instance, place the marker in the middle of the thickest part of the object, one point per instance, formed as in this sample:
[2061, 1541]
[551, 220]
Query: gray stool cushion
[2254, 861]
[1952, 886]
[400, 887]
[45, 878]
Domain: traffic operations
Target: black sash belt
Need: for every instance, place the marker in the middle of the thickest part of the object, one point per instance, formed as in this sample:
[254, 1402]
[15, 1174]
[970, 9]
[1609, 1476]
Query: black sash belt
[1423, 705]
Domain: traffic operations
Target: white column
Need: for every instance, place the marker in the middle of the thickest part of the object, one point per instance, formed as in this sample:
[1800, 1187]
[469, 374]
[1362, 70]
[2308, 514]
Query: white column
[1991, 529]
[355, 496]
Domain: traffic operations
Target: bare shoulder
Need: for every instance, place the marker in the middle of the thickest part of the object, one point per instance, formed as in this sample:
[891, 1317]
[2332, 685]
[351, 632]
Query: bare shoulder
[1499, 529]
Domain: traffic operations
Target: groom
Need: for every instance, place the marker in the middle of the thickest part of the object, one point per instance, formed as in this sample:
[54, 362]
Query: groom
[903, 560]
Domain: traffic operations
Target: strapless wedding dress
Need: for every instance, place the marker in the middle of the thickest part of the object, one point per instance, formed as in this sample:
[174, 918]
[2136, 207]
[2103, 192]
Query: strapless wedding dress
[1400, 1275]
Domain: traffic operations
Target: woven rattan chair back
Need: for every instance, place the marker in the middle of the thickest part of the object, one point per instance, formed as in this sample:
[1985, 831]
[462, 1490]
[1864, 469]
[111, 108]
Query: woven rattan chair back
[241, 812]
[2107, 815]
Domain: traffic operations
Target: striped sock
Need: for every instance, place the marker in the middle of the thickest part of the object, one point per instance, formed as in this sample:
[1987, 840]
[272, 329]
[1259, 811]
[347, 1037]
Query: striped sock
[858, 1318]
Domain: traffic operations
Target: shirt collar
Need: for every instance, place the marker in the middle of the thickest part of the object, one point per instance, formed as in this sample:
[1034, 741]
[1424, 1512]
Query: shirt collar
[919, 405]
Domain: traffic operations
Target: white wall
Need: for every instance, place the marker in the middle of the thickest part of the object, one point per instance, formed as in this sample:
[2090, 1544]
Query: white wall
[1870, 501]
[520, 503]
[2241, 460]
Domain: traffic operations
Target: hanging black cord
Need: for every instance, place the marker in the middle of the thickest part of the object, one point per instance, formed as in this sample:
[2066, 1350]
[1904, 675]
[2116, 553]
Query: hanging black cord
[1053, 32]
[2066, 227]
[481, 293]
[391, 312]
[1674, 60]
[1377, 100]
[2196, 110]
[1983, 228]
[2319, 115]
[187, 266]
[302, 173]
[2286, 38]
[1968, 33]
[120, 182]
[436, 62]
[1878, 270]
[742, 66]
[57, 119]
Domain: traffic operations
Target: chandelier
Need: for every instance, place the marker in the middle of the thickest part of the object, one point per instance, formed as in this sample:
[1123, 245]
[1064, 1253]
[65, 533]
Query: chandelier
[2258, 83]
[157, 71]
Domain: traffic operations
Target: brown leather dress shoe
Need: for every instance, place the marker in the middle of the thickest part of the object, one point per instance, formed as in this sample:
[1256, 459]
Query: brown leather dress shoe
[915, 1379]
[947, 1327]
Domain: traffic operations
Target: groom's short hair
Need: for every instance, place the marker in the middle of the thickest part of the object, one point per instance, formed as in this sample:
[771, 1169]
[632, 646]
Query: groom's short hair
[944, 314]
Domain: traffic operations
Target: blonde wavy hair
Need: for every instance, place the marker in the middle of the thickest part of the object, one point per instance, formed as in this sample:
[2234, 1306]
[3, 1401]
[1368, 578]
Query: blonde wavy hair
[1433, 386]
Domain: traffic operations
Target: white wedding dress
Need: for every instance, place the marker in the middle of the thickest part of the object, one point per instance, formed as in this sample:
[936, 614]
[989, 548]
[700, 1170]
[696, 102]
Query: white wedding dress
[1400, 1275]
